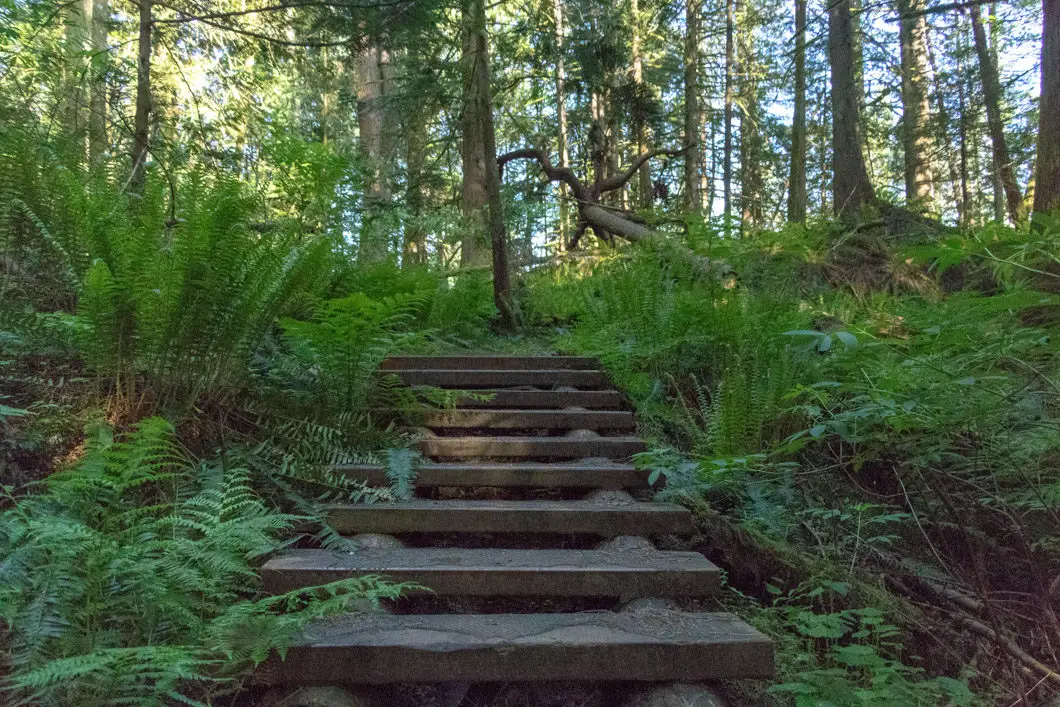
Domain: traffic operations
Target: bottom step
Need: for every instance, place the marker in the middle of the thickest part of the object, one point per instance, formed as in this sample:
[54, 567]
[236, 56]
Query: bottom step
[596, 646]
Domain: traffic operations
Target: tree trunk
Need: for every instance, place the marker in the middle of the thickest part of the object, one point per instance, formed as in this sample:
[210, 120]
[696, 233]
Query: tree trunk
[916, 110]
[824, 152]
[942, 118]
[962, 134]
[561, 122]
[370, 122]
[797, 176]
[1017, 210]
[693, 12]
[640, 128]
[474, 250]
[415, 247]
[851, 187]
[481, 108]
[730, 68]
[141, 121]
[750, 130]
[1047, 179]
[995, 175]
[77, 28]
[97, 116]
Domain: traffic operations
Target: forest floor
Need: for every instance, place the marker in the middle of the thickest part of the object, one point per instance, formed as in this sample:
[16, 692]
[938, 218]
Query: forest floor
[865, 427]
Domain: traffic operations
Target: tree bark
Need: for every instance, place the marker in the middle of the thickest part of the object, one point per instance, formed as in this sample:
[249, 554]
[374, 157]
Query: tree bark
[942, 119]
[995, 175]
[77, 30]
[962, 134]
[916, 109]
[415, 246]
[692, 167]
[730, 68]
[481, 108]
[561, 121]
[142, 119]
[474, 249]
[97, 116]
[851, 187]
[370, 122]
[797, 176]
[1047, 179]
[640, 128]
[988, 73]
[750, 130]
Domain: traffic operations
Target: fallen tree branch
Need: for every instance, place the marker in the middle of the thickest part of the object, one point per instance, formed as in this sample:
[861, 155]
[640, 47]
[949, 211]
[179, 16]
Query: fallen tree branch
[966, 602]
[604, 222]
[619, 180]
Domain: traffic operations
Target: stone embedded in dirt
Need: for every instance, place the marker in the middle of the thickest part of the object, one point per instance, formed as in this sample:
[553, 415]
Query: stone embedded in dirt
[597, 461]
[609, 496]
[318, 696]
[565, 389]
[648, 605]
[627, 543]
[582, 434]
[676, 695]
[376, 540]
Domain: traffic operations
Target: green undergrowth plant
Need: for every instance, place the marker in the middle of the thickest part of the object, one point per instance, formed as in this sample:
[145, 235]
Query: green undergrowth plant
[130, 578]
[902, 430]
[852, 656]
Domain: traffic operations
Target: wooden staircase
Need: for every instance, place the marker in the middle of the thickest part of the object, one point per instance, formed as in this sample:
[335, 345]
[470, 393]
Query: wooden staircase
[558, 523]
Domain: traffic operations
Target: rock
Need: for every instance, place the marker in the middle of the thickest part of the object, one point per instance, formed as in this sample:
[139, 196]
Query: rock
[596, 461]
[627, 543]
[318, 696]
[648, 605]
[583, 434]
[676, 695]
[376, 540]
[609, 496]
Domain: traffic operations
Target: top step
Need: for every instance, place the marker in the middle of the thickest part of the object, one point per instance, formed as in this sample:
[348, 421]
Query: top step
[490, 362]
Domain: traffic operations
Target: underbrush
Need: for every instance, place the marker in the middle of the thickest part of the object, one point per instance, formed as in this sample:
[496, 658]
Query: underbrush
[880, 462]
[174, 387]
[130, 577]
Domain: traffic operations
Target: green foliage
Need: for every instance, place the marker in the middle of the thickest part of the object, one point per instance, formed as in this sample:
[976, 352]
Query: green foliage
[401, 472]
[130, 577]
[850, 429]
[330, 361]
[169, 303]
[849, 657]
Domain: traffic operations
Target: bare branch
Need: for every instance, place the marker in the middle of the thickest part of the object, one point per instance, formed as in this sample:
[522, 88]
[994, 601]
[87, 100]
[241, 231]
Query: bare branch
[286, 5]
[555, 174]
[940, 8]
[619, 180]
[189, 17]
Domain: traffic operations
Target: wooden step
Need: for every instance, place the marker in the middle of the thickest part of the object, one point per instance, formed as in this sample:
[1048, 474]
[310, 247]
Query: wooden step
[485, 378]
[507, 517]
[642, 646]
[525, 419]
[531, 447]
[490, 362]
[502, 572]
[517, 475]
[546, 399]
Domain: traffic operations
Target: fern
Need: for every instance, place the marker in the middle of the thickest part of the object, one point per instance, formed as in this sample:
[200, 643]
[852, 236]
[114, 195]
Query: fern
[401, 472]
[130, 577]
